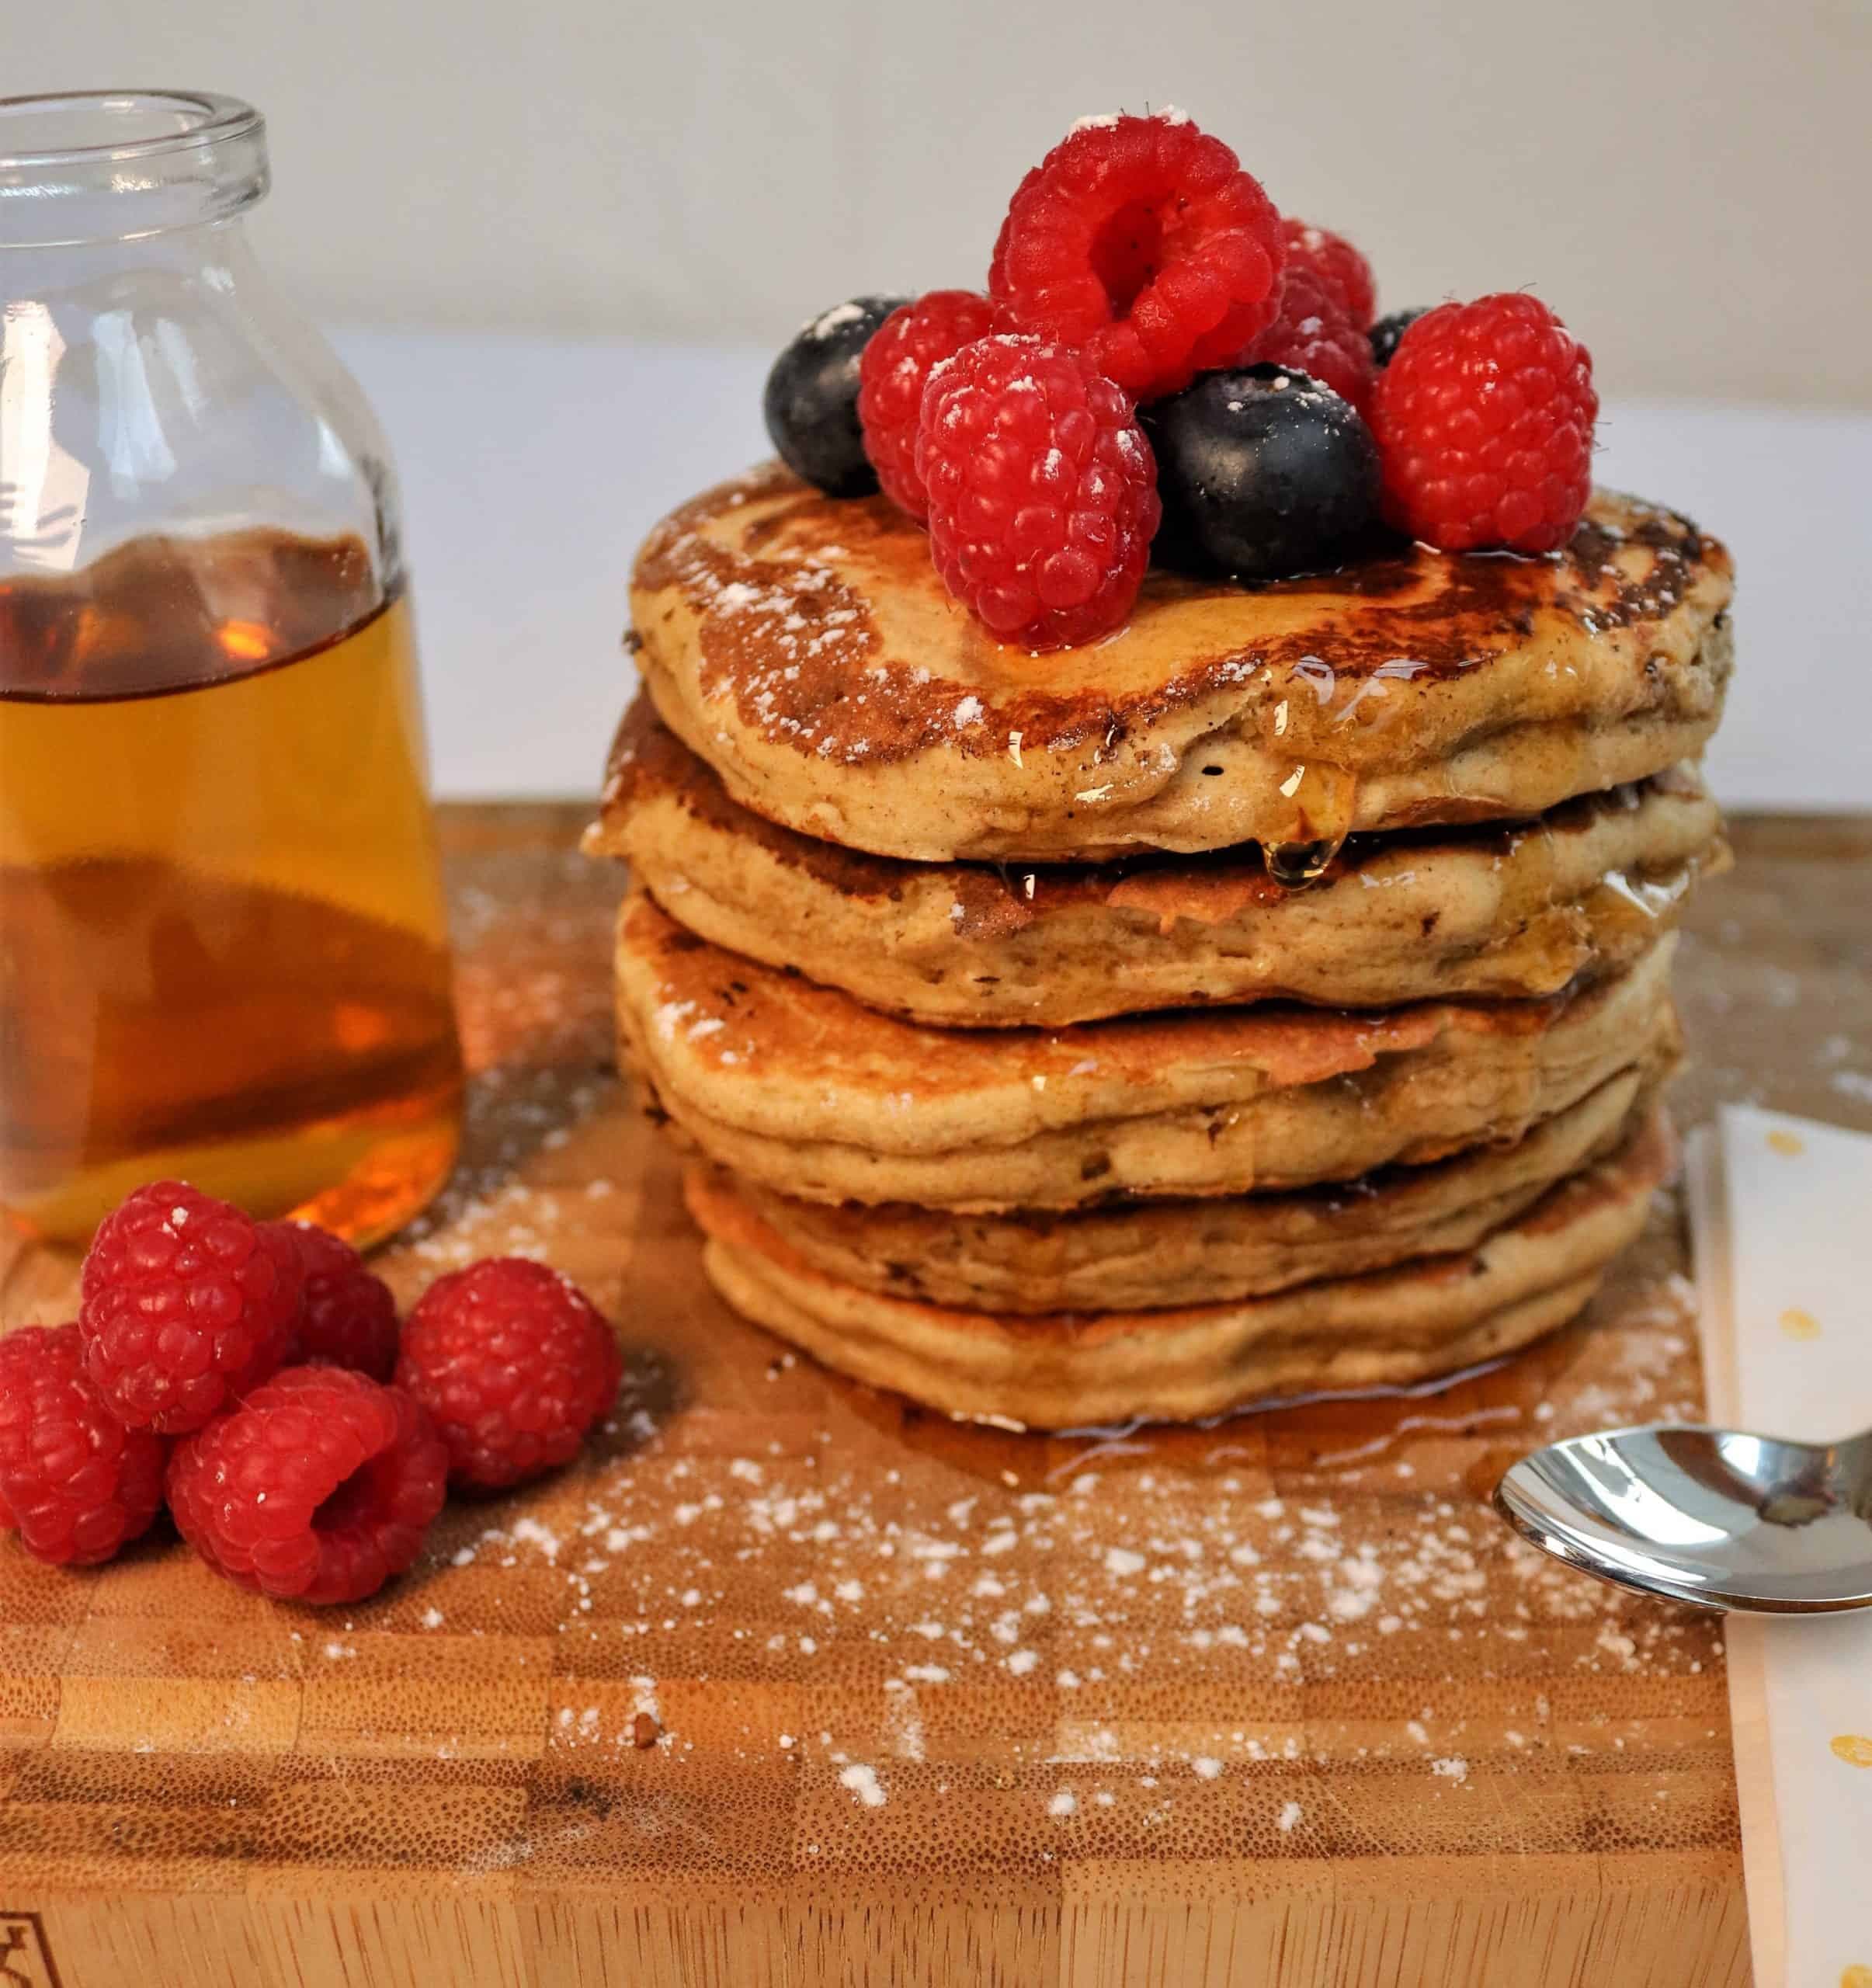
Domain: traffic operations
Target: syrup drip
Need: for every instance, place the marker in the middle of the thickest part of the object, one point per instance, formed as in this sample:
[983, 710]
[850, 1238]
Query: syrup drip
[1294, 865]
[1324, 799]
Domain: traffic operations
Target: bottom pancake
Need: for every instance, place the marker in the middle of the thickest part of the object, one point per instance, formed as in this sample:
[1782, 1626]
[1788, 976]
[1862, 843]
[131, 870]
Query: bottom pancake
[1432, 1315]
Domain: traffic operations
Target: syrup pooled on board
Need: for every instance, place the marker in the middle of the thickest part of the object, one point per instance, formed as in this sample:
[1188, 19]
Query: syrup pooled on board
[224, 955]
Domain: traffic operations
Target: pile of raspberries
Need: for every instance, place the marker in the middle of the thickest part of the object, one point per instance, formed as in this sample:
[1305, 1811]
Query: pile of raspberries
[1138, 255]
[255, 1376]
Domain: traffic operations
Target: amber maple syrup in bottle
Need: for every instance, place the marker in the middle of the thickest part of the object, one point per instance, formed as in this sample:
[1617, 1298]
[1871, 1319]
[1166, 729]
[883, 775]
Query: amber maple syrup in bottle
[225, 957]
[223, 949]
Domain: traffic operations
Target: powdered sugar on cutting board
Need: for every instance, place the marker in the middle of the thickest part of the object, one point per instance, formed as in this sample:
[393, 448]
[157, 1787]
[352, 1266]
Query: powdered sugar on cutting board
[1128, 1576]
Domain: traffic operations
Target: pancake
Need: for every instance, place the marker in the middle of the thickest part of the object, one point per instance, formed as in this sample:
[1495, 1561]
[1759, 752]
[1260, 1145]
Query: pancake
[802, 1088]
[1145, 1255]
[805, 647]
[1507, 911]
[1064, 1369]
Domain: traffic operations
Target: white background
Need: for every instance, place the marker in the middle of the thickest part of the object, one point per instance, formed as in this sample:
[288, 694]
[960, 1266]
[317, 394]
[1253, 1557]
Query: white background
[1685, 181]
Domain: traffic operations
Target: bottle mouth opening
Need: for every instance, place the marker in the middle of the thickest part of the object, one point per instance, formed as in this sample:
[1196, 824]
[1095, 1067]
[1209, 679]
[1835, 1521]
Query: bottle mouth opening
[112, 165]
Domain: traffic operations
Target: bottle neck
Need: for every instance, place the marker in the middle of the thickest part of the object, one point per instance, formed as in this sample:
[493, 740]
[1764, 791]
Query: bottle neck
[125, 167]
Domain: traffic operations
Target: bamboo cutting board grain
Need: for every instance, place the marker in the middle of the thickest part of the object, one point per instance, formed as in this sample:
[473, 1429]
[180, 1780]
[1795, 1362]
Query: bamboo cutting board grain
[790, 1685]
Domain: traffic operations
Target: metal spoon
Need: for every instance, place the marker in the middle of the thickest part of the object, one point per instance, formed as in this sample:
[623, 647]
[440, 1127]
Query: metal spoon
[1709, 1516]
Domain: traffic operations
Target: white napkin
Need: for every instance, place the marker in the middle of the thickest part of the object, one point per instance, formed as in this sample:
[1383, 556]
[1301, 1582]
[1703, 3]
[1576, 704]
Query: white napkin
[1781, 1216]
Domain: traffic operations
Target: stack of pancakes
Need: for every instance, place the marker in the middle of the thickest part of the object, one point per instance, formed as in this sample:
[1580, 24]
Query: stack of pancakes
[1272, 998]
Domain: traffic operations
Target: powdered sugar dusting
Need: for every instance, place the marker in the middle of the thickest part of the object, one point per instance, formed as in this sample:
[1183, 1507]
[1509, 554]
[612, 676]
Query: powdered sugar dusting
[835, 320]
[1109, 120]
[863, 1782]
[1160, 1560]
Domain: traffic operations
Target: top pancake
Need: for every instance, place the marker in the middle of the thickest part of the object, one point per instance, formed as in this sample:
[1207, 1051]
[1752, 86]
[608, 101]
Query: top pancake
[806, 649]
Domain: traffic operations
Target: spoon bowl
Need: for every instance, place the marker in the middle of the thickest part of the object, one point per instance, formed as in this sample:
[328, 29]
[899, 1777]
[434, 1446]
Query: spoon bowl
[1714, 1516]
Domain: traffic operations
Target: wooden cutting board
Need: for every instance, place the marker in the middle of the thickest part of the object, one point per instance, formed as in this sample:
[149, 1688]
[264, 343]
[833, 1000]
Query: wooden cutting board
[789, 1683]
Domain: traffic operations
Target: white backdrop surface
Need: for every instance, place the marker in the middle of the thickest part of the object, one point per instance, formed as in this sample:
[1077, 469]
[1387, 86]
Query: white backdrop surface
[1684, 180]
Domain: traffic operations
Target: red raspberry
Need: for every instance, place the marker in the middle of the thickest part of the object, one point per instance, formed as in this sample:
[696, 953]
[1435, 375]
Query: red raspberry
[1141, 242]
[317, 1488]
[514, 1363]
[186, 1304]
[1338, 265]
[1484, 420]
[75, 1483]
[1314, 335]
[346, 1315]
[1043, 491]
[892, 371]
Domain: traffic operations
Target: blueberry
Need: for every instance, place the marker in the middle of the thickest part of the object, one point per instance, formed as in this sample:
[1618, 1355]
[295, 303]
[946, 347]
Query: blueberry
[1263, 473]
[1386, 331]
[811, 400]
